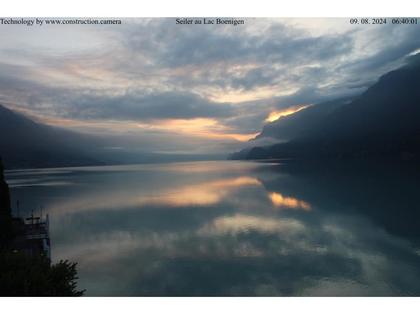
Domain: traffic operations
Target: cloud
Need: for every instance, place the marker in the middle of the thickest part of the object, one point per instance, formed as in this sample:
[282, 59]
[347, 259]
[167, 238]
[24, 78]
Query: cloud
[134, 106]
[151, 70]
[237, 58]
[202, 45]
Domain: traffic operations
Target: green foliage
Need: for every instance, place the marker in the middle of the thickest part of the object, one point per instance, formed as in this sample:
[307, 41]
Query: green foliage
[21, 275]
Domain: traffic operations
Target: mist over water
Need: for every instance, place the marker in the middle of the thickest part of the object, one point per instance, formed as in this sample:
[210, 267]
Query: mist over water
[232, 228]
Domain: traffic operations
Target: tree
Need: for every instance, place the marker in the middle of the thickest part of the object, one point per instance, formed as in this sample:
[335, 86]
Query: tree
[22, 275]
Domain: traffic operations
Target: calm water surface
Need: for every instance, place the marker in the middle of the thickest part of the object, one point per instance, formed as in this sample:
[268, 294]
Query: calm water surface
[232, 228]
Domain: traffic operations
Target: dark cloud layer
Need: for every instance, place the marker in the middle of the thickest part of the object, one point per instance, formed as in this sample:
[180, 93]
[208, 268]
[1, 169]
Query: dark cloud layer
[131, 106]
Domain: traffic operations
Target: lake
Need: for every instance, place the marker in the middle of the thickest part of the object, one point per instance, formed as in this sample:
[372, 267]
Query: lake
[230, 228]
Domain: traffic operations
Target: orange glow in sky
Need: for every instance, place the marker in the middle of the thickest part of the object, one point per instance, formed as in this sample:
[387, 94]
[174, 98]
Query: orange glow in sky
[200, 127]
[273, 116]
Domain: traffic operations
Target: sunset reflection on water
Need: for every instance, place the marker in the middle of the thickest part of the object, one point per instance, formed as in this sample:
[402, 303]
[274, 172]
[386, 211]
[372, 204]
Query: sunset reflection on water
[229, 228]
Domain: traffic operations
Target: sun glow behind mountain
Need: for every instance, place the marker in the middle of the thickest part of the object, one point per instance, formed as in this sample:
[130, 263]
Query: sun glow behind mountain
[275, 115]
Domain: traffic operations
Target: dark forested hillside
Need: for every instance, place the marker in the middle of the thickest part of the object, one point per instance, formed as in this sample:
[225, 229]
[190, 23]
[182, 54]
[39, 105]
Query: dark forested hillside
[25, 143]
[382, 122]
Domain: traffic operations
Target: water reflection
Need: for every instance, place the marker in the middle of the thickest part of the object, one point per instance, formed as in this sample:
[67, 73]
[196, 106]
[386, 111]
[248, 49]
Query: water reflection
[288, 202]
[199, 193]
[239, 223]
[208, 228]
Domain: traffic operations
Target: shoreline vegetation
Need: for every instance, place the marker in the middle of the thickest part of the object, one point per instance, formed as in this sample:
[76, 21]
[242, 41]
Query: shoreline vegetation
[25, 266]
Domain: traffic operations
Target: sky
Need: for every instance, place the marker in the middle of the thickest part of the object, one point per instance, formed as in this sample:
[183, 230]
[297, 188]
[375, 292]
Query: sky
[174, 88]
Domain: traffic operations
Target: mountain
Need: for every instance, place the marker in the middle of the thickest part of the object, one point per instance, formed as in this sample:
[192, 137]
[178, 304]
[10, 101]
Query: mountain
[383, 122]
[26, 144]
[302, 122]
